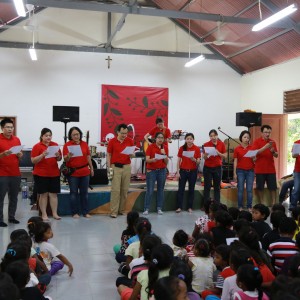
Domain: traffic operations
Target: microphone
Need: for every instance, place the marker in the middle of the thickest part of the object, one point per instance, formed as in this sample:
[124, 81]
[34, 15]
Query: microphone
[219, 127]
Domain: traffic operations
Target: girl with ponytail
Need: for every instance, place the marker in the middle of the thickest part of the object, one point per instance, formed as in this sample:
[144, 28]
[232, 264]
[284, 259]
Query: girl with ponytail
[249, 280]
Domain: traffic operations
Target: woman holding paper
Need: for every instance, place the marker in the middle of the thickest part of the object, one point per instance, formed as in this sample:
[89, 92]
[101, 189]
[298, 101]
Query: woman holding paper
[44, 156]
[77, 156]
[214, 152]
[243, 169]
[187, 164]
[156, 164]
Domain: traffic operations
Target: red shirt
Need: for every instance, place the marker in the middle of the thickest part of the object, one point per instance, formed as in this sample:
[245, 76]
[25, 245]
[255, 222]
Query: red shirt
[47, 167]
[151, 151]
[79, 161]
[165, 131]
[244, 163]
[9, 165]
[115, 147]
[264, 163]
[186, 162]
[215, 161]
[297, 161]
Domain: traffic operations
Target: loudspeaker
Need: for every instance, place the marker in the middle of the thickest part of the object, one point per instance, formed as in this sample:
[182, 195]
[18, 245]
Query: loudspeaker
[65, 113]
[227, 172]
[248, 119]
[100, 177]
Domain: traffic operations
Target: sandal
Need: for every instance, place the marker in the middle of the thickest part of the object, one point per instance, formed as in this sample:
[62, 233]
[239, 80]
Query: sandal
[178, 210]
[57, 218]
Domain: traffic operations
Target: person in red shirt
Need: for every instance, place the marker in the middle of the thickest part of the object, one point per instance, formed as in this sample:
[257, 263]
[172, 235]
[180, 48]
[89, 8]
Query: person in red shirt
[243, 169]
[264, 163]
[83, 169]
[10, 176]
[295, 197]
[46, 173]
[212, 170]
[187, 168]
[121, 167]
[160, 127]
[156, 172]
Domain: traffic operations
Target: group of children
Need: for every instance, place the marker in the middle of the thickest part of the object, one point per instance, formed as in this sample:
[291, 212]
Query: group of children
[231, 255]
[29, 262]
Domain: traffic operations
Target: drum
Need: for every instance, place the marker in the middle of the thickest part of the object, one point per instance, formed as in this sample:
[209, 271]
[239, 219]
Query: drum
[93, 150]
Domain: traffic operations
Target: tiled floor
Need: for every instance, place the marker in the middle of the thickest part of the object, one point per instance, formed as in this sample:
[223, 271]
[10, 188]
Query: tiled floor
[88, 243]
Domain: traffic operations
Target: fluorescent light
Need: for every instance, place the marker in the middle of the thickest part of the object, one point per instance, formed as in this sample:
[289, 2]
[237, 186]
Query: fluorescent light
[194, 61]
[20, 8]
[274, 18]
[32, 53]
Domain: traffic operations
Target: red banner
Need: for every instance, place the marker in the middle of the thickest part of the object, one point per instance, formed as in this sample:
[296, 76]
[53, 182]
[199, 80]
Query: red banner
[135, 106]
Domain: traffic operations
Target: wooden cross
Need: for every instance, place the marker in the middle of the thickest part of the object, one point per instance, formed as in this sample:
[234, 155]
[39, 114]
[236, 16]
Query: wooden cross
[108, 61]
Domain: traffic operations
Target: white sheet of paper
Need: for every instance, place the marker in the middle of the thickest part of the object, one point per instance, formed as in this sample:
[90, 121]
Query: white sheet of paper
[251, 153]
[51, 151]
[16, 149]
[296, 149]
[76, 150]
[128, 150]
[231, 240]
[189, 154]
[211, 151]
[160, 156]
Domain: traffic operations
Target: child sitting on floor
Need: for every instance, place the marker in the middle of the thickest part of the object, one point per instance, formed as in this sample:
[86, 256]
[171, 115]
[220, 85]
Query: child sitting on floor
[221, 260]
[53, 259]
[249, 281]
[180, 240]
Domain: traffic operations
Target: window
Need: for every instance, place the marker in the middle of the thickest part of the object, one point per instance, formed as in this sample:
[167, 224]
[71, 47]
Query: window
[291, 101]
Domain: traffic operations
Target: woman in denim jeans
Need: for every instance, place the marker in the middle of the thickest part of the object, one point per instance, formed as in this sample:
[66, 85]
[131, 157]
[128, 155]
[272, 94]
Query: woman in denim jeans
[156, 165]
[243, 169]
[80, 178]
[187, 171]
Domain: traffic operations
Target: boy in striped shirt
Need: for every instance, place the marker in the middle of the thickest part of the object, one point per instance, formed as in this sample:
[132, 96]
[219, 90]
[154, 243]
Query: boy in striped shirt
[285, 246]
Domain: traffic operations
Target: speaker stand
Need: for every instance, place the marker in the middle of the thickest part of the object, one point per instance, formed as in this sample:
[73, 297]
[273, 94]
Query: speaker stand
[65, 122]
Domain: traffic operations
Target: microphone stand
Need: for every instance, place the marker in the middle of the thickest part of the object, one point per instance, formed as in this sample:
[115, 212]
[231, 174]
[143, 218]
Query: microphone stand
[228, 144]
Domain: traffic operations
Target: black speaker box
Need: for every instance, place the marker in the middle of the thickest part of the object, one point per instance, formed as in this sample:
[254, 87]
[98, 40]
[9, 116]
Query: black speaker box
[227, 172]
[65, 113]
[99, 178]
[248, 119]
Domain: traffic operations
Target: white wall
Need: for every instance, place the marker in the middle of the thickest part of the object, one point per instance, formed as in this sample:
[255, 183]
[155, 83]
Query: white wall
[263, 90]
[201, 98]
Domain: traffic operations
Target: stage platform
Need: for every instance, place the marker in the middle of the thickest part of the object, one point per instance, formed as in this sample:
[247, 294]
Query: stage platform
[99, 198]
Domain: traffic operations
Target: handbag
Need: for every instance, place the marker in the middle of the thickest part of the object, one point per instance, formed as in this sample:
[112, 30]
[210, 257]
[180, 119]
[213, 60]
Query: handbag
[66, 171]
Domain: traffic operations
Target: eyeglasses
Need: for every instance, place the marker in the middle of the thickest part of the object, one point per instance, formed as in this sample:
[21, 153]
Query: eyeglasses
[75, 134]
[124, 133]
[9, 127]
[160, 137]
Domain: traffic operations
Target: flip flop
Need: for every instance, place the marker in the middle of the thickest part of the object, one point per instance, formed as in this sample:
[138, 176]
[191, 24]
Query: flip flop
[57, 218]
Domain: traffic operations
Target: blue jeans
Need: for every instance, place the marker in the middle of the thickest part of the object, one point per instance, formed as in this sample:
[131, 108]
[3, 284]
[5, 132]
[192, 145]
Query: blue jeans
[81, 183]
[215, 175]
[191, 177]
[153, 176]
[296, 192]
[286, 186]
[242, 177]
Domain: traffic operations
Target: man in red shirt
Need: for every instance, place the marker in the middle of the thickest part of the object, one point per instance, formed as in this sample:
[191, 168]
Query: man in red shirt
[121, 166]
[264, 163]
[295, 197]
[10, 176]
[160, 127]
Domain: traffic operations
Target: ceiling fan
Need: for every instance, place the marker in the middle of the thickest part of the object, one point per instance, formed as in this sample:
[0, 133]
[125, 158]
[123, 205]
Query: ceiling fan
[30, 24]
[220, 39]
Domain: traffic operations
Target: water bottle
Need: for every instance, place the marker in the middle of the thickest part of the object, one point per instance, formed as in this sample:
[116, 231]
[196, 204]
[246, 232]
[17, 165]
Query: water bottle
[25, 191]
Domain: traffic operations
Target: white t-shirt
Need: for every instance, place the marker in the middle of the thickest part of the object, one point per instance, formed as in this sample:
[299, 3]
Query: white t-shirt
[229, 288]
[47, 251]
[203, 269]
